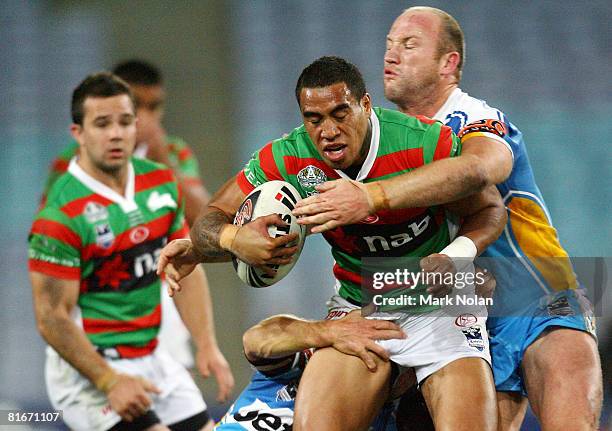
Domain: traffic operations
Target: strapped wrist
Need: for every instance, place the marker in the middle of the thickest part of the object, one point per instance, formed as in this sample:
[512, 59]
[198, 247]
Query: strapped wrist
[377, 197]
[462, 251]
[227, 236]
[106, 381]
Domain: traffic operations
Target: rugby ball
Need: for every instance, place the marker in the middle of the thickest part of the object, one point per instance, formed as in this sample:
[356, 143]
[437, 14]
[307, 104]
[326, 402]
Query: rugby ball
[272, 197]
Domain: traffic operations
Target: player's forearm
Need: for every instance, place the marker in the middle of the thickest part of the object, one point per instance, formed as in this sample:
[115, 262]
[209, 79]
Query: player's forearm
[69, 341]
[484, 226]
[206, 235]
[283, 335]
[436, 183]
[194, 305]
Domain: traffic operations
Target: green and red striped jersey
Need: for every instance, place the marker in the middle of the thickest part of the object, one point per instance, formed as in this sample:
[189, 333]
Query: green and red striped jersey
[398, 145]
[179, 153]
[110, 243]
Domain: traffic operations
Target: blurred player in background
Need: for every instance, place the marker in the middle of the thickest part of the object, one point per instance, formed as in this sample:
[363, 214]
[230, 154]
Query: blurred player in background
[550, 353]
[344, 137]
[92, 252]
[152, 142]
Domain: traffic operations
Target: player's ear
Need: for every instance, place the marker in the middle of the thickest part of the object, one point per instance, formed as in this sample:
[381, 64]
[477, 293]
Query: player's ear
[76, 131]
[449, 63]
[366, 103]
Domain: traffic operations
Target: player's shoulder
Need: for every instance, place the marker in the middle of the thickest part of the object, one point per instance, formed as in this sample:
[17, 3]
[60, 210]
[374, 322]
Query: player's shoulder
[69, 151]
[149, 174]
[395, 121]
[464, 109]
[293, 143]
[64, 190]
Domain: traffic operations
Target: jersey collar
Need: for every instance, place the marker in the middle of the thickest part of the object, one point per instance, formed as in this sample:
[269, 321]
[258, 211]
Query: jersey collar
[451, 101]
[372, 152]
[126, 202]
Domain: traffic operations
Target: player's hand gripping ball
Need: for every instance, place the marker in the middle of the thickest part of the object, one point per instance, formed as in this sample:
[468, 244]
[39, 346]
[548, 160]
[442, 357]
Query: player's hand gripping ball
[272, 197]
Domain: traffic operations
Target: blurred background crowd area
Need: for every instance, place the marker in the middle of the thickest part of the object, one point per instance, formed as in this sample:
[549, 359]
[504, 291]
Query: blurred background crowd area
[230, 69]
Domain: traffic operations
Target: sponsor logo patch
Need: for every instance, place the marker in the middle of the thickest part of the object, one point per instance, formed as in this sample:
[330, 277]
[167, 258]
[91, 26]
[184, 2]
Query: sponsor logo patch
[309, 177]
[104, 235]
[139, 234]
[560, 307]
[474, 337]
[465, 320]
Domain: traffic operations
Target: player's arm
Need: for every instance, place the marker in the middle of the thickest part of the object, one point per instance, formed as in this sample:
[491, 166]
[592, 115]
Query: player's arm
[484, 161]
[214, 238]
[484, 217]
[194, 305]
[283, 335]
[54, 300]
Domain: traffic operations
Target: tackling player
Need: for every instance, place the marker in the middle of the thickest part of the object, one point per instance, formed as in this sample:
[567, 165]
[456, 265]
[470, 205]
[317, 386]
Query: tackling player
[543, 340]
[92, 252]
[279, 348]
[344, 137]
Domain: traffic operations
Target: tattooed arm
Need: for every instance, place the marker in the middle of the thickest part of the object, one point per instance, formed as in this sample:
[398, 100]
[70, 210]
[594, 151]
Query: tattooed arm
[215, 239]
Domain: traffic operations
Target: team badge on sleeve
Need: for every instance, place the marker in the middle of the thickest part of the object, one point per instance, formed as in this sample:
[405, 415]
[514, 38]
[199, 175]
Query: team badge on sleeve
[483, 127]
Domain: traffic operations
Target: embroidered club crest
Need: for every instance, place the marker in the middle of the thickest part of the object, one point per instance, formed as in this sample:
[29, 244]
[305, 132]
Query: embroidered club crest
[309, 177]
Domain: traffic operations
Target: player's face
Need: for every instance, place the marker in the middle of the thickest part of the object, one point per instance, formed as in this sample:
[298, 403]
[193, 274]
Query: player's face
[108, 134]
[149, 108]
[337, 123]
[412, 61]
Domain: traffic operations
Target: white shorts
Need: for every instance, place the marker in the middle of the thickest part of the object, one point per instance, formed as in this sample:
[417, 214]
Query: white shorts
[86, 408]
[433, 340]
[173, 335]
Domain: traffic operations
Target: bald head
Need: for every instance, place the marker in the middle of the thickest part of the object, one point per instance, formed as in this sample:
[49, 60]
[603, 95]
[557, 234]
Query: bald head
[449, 34]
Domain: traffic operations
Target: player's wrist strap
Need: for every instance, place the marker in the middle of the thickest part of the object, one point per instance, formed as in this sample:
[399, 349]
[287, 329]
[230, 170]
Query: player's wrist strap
[227, 236]
[107, 380]
[377, 198]
[462, 251]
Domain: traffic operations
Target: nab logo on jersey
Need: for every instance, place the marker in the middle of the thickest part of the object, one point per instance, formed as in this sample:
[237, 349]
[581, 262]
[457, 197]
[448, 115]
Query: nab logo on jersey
[378, 243]
[146, 263]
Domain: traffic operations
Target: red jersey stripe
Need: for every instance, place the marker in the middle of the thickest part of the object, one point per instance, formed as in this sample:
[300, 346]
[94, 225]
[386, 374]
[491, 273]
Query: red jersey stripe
[294, 165]
[76, 207]
[60, 165]
[153, 179]
[424, 119]
[244, 184]
[96, 326]
[55, 270]
[399, 160]
[346, 275]
[127, 352]
[56, 231]
[445, 143]
[180, 234]
[267, 163]
[157, 228]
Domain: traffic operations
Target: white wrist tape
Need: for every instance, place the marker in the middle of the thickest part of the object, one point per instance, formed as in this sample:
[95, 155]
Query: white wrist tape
[462, 251]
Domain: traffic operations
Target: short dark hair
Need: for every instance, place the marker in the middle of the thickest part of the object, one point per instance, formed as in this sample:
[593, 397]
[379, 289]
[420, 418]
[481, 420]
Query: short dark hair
[138, 72]
[329, 70]
[101, 84]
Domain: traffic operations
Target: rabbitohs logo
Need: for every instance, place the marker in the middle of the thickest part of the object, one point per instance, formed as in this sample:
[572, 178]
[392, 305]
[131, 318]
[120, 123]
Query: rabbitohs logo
[309, 177]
